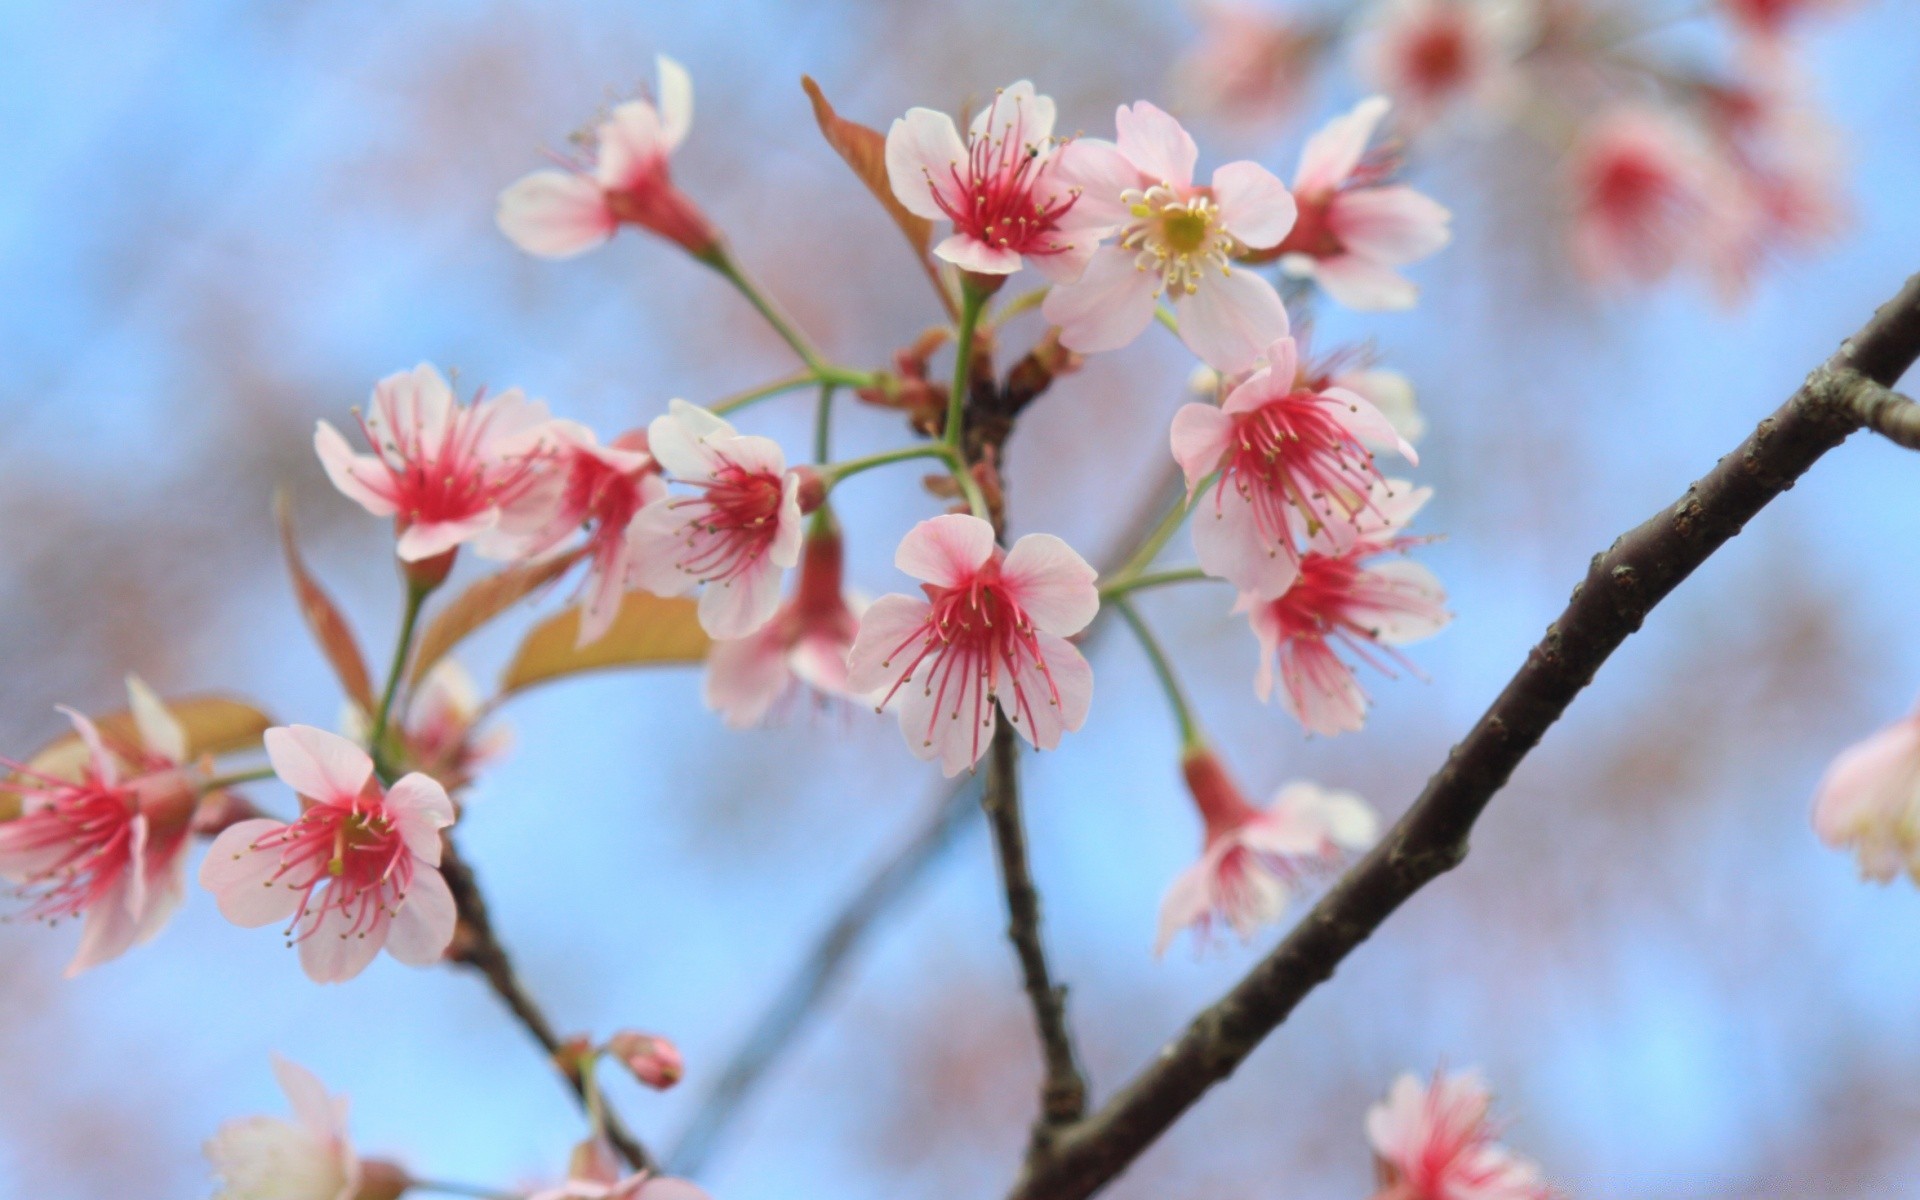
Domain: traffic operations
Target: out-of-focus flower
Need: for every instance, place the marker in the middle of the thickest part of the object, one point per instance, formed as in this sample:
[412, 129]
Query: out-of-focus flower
[1437, 1142]
[1175, 239]
[1250, 62]
[307, 1158]
[1430, 55]
[1647, 197]
[1869, 802]
[1355, 229]
[602, 488]
[1770, 19]
[439, 734]
[443, 471]
[595, 1175]
[107, 844]
[1003, 188]
[359, 869]
[737, 534]
[1343, 597]
[624, 180]
[992, 629]
[1293, 461]
[1389, 391]
[654, 1061]
[1253, 858]
[806, 642]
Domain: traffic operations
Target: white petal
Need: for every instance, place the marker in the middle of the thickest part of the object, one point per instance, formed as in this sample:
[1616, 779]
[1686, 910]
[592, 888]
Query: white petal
[947, 550]
[1154, 142]
[423, 928]
[1255, 206]
[1109, 306]
[317, 764]
[555, 214]
[923, 149]
[1231, 319]
[160, 732]
[1052, 583]
[676, 101]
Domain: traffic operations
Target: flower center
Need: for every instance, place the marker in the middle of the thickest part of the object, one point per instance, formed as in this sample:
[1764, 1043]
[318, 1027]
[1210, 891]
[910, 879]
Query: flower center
[995, 197]
[355, 853]
[1179, 238]
[738, 514]
[86, 830]
[1293, 452]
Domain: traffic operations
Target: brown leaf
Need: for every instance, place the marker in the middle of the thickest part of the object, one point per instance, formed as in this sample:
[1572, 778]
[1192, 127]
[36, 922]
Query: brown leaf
[649, 631]
[481, 603]
[214, 724]
[865, 150]
[323, 617]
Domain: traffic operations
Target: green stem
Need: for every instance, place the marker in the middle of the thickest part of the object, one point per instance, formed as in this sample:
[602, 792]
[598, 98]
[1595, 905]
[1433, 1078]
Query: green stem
[1019, 304]
[1190, 737]
[216, 783]
[786, 383]
[823, 424]
[460, 1189]
[1128, 584]
[1164, 315]
[834, 473]
[416, 599]
[1162, 533]
[729, 270]
[972, 301]
[590, 1084]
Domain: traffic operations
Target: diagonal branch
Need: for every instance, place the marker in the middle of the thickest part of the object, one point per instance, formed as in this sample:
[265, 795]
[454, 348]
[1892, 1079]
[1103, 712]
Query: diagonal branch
[478, 947]
[1622, 586]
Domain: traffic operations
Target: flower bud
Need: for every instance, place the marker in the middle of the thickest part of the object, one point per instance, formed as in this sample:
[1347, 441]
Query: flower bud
[654, 1061]
[813, 489]
[429, 573]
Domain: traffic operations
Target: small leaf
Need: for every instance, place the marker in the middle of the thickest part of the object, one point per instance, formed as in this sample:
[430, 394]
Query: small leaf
[323, 617]
[215, 725]
[480, 604]
[865, 150]
[650, 630]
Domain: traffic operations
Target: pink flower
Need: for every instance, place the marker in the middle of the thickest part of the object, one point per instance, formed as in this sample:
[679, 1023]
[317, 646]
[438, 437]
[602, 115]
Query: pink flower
[106, 841]
[736, 535]
[595, 1175]
[600, 487]
[1437, 1142]
[1431, 54]
[1252, 859]
[1769, 19]
[359, 869]
[1869, 801]
[1175, 239]
[1355, 229]
[444, 472]
[1292, 460]
[991, 630]
[1343, 598]
[1646, 197]
[654, 1061]
[308, 1158]
[439, 734]
[624, 180]
[806, 642]
[1250, 63]
[1003, 188]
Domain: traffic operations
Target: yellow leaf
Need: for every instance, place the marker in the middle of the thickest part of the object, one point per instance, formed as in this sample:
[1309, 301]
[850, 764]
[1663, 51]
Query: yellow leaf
[649, 631]
[328, 625]
[214, 724]
[481, 603]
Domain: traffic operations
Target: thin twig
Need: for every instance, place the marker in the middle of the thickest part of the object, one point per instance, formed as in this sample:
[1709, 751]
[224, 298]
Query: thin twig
[1875, 405]
[1621, 587]
[480, 949]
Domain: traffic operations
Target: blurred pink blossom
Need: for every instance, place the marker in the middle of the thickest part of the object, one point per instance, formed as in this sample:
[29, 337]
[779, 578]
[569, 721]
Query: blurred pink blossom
[1437, 1142]
[307, 1158]
[1869, 802]
[1430, 55]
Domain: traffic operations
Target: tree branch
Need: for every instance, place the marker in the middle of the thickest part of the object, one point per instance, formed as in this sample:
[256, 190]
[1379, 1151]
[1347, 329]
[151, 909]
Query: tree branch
[1063, 1090]
[1621, 587]
[479, 948]
[1876, 406]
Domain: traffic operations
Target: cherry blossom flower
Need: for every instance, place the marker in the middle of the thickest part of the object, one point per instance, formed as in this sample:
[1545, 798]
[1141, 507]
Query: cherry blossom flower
[1292, 460]
[1003, 188]
[992, 629]
[1437, 1142]
[736, 535]
[1429, 55]
[1355, 229]
[359, 869]
[1250, 62]
[1389, 391]
[806, 642]
[624, 180]
[443, 471]
[105, 841]
[600, 487]
[308, 1158]
[1252, 859]
[438, 734]
[595, 1175]
[1343, 597]
[1869, 802]
[1770, 19]
[1646, 196]
[1175, 239]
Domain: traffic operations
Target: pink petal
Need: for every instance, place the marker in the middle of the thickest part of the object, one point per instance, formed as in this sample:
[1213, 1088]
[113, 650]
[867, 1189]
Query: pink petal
[1189, 899]
[947, 550]
[632, 146]
[683, 441]
[942, 726]
[361, 478]
[421, 809]
[1360, 284]
[1107, 307]
[606, 589]
[428, 539]
[241, 877]
[1273, 382]
[335, 951]
[555, 214]
[1255, 206]
[1156, 144]
[1055, 586]
[107, 930]
[1043, 720]
[1344, 818]
[740, 605]
[423, 928]
[655, 541]
[1319, 690]
[308, 1098]
[1231, 319]
[1881, 773]
[1201, 435]
[923, 148]
[105, 765]
[1017, 111]
[1331, 154]
[1101, 173]
[1392, 225]
[1367, 423]
[972, 254]
[676, 101]
[1418, 603]
[1230, 546]
[160, 733]
[669, 1189]
[319, 765]
[745, 677]
[888, 639]
[789, 530]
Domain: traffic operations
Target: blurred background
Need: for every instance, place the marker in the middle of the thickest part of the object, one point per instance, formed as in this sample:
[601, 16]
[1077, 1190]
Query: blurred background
[224, 220]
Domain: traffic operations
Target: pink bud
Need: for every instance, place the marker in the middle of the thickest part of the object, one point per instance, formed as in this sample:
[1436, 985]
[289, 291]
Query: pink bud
[654, 1061]
[813, 489]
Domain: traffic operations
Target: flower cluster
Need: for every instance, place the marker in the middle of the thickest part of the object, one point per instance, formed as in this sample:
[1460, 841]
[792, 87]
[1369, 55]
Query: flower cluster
[1437, 1141]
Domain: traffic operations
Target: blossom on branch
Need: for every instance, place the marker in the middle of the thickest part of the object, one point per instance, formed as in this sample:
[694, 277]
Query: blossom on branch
[1356, 229]
[106, 841]
[736, 534]
[307, 1158]
[992, 630]
[1250, 62]
[1430, 55]
[595, 1175]
[358, 870]
[1294, 462]
[624, 180]
[1343, 597]
[1437, 1142]
[439, 735]
[444, 472]
[1647, 198]
[1252, 858]
[1869, 802]
[1175, 239]
[1005, 187]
